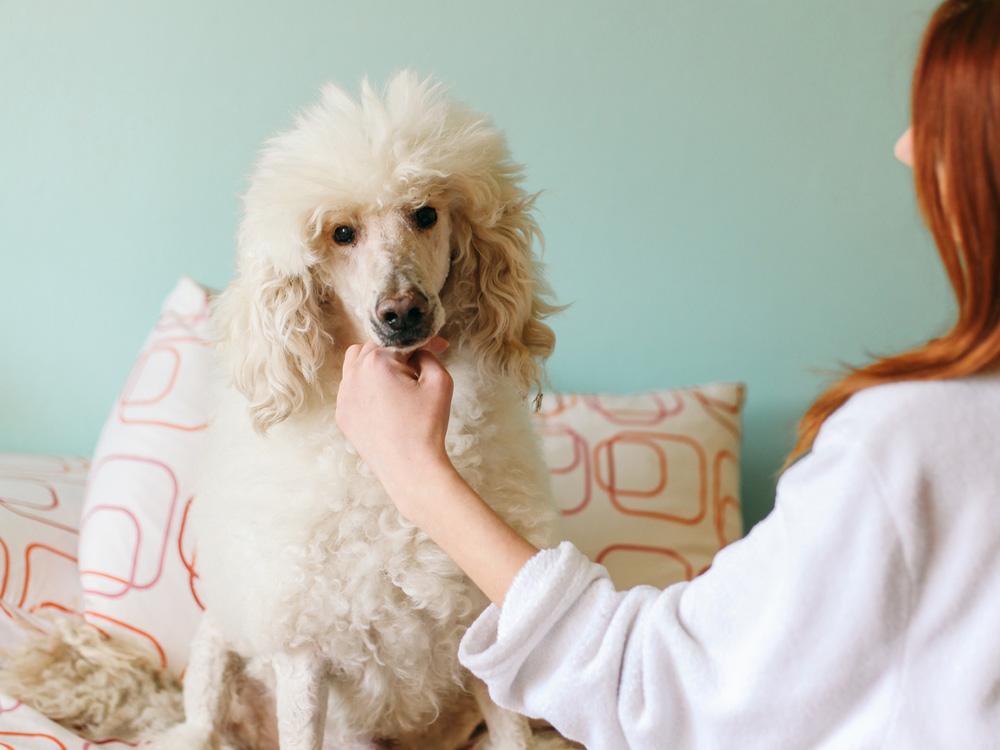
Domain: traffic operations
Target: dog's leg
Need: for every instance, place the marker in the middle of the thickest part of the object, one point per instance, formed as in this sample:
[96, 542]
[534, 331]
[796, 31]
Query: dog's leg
[342, 732]
[302, 686]
[507, 730]
[206, 691]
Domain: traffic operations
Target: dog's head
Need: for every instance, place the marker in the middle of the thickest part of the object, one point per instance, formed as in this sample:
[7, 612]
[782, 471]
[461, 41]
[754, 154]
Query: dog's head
[391, 219]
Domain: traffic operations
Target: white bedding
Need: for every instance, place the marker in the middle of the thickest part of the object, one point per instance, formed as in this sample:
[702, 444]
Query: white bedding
[41, 498]
[40, 502]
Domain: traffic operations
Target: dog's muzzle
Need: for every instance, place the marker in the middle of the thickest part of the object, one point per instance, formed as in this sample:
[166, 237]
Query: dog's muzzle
[403, 319]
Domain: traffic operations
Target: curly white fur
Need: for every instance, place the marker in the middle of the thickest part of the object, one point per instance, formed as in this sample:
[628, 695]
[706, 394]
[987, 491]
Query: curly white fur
[73, 674]
[309, 572]
[315, 587]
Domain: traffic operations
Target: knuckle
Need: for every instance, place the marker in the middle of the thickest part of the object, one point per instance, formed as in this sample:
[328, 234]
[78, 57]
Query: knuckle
[443, 379]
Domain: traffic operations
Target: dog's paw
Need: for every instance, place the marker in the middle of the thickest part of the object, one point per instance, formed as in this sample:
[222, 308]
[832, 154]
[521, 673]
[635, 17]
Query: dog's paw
[182, 737]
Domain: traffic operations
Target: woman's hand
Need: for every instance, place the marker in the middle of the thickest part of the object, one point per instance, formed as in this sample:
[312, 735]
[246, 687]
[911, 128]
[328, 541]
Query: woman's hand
[394, 410]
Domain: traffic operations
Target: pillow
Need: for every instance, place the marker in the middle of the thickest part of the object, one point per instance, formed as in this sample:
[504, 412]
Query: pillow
[136, 563]
[23, 728]
[40, 499]
[647, 485]
[40, 502]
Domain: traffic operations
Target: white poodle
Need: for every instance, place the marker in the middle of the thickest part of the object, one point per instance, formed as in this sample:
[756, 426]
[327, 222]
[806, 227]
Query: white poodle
[391, 219]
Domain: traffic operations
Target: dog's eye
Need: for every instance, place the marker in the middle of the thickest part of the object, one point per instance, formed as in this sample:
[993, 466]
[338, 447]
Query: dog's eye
[343, 235]
[425, 217]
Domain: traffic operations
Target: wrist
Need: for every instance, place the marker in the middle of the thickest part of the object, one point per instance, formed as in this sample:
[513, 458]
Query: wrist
[422, 490]
[438, 500]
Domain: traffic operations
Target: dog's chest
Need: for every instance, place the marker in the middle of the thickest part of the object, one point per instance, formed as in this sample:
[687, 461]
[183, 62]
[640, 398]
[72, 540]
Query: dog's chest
[304, 550]
[360, 583]
[384, 606]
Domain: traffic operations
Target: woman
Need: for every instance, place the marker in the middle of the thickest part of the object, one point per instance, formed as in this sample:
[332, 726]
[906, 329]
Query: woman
[865, 610]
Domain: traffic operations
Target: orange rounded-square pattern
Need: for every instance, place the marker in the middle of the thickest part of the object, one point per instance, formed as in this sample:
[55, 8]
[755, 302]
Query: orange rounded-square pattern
[725, 497]
[643, 410]
[137, 572]
[555, 404]
[64, 468]
[152, 396]
[189, 309]
[568, 457]
[637, 564]
[27, 494]
[40, 498]
[676, 495]
[672, 503]
[130, 550]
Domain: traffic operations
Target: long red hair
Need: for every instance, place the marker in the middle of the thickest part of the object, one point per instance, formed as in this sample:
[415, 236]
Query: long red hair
[956, 151]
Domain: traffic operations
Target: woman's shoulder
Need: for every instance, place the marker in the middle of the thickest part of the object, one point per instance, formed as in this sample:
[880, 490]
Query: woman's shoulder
[915, 445]
[918, 416]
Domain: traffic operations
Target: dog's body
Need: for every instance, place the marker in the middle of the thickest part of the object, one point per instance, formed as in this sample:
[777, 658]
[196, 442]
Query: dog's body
[392, 220]
[301, 551]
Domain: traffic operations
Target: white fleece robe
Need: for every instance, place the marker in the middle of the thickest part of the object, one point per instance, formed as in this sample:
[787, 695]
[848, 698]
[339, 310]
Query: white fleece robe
[863, 612]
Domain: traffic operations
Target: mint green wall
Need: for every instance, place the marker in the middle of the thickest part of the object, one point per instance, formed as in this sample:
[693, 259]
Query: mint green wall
[721, 201]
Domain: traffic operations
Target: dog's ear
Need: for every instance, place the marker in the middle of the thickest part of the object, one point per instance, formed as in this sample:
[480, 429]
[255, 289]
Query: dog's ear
[504, 298]
[273, 339]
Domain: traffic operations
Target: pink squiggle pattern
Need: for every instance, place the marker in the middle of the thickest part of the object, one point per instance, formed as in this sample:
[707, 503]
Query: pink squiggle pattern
[173, 319]
[580, 465]
[724, 412]
[129, 582]
[132, 583]
[188, 563]
[127, 403]
[634, 416]
[17, 506]
[41, 735]
[28, 550]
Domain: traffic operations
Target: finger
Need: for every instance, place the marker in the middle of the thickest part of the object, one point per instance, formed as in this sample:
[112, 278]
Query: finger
[351, 354]
[428, 367]
[367, 350]
[436, 345]
[395, 363]
[402, 360]
[396, 354]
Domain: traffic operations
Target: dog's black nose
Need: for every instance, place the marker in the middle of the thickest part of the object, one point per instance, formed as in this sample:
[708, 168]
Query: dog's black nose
[402, 312]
